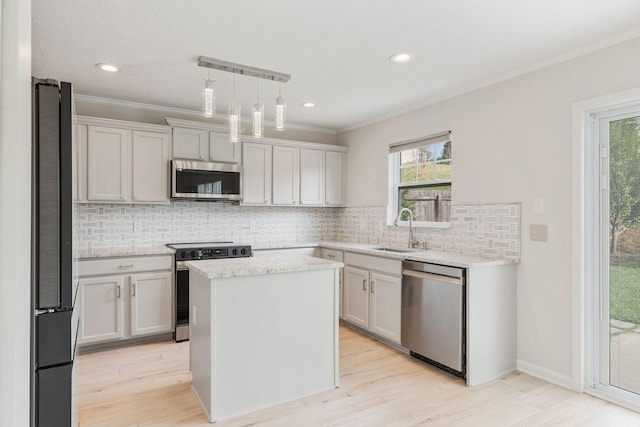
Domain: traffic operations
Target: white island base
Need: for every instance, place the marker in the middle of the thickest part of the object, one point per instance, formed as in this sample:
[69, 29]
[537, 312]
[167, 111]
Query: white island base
[262, 339]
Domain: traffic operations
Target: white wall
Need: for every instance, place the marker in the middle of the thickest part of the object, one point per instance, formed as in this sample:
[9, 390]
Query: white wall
[15, 193]
[511, 142]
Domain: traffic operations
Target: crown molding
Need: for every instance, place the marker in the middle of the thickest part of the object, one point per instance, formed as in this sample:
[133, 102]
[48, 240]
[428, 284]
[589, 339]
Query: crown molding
[123, 124]
[165, 110]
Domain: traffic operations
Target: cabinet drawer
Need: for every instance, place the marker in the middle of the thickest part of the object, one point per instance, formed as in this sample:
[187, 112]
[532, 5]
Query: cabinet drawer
[385, 265]
[331, 254]
[98, 267]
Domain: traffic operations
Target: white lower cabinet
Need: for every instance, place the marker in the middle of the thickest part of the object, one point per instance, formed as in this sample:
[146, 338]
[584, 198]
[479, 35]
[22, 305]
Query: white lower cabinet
[124, 298]
[385, 305]
[101, 309]
[356, 296]
[372, 294]
[151, 298]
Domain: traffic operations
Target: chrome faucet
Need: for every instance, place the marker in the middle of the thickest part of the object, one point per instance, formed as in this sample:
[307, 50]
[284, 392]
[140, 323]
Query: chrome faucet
[413, 242]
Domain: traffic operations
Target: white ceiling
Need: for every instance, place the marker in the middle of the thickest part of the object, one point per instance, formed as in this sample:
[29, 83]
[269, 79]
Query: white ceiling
[335, 50]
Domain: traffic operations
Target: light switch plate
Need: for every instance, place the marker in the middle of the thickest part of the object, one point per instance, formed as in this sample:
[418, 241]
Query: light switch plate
[538, 232]
[538, 206]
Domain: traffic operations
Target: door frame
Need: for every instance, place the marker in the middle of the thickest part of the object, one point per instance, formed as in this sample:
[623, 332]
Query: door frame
[583, 226]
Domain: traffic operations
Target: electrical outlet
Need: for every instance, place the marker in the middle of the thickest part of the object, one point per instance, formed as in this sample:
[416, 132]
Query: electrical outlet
[538, 232]
[194, 315]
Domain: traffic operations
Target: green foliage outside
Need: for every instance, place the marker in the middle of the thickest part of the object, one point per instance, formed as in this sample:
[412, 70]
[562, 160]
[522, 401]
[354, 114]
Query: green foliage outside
[624, 216]
[624, 293]
[624, 177]
[422, 161]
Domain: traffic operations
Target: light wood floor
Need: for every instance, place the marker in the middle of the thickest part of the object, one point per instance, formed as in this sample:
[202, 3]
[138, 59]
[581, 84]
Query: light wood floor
[150, 385]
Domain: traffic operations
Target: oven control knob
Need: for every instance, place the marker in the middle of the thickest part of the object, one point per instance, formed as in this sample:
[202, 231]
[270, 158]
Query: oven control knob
[243, 251]
[194, 254]
[234, 252]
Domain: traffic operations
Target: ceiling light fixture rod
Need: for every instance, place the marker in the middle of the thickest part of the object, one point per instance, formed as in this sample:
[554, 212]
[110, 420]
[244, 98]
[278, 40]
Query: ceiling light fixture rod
[230, 67]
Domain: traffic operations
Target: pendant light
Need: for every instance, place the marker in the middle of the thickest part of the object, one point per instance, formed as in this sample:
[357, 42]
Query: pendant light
[234, 116]
[281, 111]
[258, 115]
[209, 97]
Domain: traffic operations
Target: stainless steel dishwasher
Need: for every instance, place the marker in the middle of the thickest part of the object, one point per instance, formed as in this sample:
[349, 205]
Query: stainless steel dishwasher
[433, 314]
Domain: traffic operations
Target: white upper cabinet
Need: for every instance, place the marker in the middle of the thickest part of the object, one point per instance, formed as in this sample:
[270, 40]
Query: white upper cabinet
[311, 177]
[189, 143]
[150, 167]
[296, 173]
[335, 172]
[286, 175]
[108, 166]
[256, 174]
[121, 162]
[221, 150]
[203, 142]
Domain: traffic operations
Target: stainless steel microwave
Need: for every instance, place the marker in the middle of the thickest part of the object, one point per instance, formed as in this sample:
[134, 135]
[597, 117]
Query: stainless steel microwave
[206, 181]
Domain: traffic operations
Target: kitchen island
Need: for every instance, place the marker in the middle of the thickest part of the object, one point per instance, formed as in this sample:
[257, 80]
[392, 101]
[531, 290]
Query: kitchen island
[262, 331]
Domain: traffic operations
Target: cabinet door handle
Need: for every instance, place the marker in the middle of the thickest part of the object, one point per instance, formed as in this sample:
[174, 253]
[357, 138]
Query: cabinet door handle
[125, 266]
[118, 291]
[133, 289]
[364, 284]
[372, 283]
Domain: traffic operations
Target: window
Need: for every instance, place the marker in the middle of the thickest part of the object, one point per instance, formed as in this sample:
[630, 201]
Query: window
[420, 179]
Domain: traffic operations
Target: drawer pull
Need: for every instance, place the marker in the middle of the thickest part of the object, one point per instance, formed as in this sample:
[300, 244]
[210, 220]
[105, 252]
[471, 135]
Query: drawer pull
[331, 256]
[125, 266]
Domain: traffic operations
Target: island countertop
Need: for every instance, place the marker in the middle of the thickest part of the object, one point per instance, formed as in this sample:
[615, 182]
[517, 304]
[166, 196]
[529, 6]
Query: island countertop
[253, 266]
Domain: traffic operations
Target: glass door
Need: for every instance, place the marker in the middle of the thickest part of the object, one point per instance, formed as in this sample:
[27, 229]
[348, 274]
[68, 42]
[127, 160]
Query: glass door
[616, 308]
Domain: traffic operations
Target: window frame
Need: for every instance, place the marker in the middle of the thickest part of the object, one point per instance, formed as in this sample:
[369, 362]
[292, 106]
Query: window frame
[395, 186]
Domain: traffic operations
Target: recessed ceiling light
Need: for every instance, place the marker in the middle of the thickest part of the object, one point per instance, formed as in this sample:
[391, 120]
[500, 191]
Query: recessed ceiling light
[402, 57]
[308, 104]
[107, 67]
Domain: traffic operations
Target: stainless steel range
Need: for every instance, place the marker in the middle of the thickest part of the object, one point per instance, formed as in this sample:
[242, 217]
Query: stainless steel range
[190, 252]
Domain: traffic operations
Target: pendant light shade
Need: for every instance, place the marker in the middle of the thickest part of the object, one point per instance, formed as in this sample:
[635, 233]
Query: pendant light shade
[281, 113]
[234, 121]
[258, 119]
[209, 98]
[235, 116]
[257, 114]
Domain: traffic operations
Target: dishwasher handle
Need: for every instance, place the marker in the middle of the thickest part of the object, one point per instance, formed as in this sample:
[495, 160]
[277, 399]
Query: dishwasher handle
[431, 276]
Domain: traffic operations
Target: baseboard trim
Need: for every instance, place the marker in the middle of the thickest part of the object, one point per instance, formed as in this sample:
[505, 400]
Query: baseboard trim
[545, 374]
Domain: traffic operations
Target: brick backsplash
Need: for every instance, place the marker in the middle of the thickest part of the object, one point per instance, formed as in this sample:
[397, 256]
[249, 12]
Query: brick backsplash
[102, 226]
[488, 230]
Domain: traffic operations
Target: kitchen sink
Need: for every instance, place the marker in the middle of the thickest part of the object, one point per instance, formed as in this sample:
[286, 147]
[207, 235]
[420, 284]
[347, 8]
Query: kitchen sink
[399, 251]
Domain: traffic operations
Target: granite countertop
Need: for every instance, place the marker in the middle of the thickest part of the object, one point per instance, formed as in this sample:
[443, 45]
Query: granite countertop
[124, 252]
[454, 259]
[235, 267]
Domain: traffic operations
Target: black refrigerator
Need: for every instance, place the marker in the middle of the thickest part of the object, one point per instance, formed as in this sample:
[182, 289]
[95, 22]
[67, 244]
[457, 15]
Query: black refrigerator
[52, 288]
